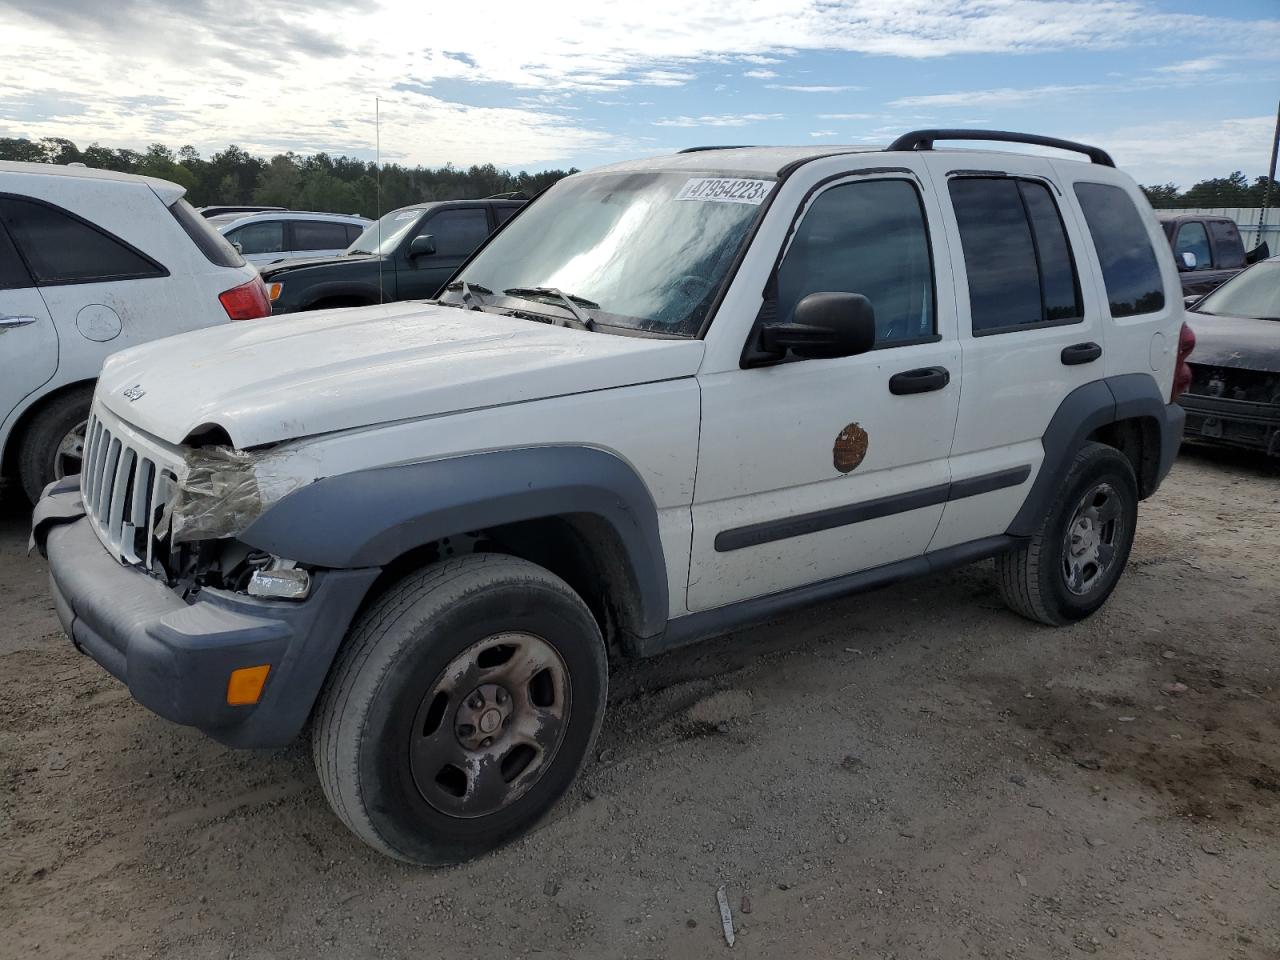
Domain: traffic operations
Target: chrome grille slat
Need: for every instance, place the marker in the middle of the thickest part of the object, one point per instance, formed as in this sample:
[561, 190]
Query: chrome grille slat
[126, 482]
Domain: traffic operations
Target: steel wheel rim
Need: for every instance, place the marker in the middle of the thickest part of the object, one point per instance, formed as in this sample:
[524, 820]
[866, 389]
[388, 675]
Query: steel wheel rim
[69, 458]
[490, 725]
[1090, 544]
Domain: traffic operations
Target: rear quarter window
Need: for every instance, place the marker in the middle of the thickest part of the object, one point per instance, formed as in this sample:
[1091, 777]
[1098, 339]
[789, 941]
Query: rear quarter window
[60, 247]
[1130, 270]
[210, 242]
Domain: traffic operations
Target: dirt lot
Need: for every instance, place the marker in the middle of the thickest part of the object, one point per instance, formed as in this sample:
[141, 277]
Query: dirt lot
[909, 773]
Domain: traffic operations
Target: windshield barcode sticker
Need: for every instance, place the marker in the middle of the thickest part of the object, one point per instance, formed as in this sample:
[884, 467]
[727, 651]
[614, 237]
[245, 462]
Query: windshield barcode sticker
[725, 190]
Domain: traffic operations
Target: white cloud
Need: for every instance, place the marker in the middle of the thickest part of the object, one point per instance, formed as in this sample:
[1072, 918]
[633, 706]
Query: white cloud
[760, 74]
[1186, 151]
[823, 133]
[846, 116]
[1201, 65]
[764, 61]
[723, 120]
[1001, 96]
[811, 88]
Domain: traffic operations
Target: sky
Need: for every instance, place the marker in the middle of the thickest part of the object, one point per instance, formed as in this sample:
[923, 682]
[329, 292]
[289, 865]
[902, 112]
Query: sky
[1176, 90]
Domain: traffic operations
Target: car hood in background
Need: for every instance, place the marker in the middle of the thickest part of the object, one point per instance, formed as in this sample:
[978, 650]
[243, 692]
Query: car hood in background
[1243, 342]
[297, 375]
[269, 271]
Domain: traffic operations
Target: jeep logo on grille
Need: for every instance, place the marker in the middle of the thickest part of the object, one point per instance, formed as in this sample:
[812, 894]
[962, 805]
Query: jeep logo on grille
[134, 392]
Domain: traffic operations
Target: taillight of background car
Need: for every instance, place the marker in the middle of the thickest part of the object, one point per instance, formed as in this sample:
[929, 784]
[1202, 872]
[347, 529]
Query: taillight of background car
[247, 301]
[1182, 369]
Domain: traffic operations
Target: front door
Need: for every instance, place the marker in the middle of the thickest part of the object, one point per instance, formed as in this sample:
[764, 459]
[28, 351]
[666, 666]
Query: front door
[812, 469]
[28, 340]
[455, 232]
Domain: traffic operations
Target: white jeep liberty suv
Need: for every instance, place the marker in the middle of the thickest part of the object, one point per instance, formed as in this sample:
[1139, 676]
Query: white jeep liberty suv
[669, 398]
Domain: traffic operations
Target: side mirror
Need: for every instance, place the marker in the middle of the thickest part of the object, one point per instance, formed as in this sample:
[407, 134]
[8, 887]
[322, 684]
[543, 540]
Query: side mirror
[1188, 261]
[236, 244]
[423, 246]
[824, 325]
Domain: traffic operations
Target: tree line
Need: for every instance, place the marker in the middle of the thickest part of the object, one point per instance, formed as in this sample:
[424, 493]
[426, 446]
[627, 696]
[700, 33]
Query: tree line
[313, 182]
[346, 185]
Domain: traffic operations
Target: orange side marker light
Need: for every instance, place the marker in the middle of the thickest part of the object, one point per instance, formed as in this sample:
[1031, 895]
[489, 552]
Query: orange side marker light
[244, 686]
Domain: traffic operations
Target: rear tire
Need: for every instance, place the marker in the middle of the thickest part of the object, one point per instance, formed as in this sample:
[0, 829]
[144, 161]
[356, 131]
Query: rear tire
[433, 748]
[48, 449]
[1069, 567]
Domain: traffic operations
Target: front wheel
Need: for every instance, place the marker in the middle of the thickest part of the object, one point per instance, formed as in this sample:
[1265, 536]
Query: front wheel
[461, 708]
[1069, 567]
[52, 446]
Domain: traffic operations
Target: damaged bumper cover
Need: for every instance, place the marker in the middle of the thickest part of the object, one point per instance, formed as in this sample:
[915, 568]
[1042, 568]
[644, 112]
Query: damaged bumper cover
[176, 656]
[1241, 423]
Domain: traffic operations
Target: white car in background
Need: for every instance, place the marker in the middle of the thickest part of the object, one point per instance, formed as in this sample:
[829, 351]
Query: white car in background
[277, 236]
[91, 262]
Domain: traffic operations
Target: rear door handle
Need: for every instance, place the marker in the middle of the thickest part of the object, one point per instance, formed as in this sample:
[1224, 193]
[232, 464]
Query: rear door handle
[8, 322]
[1080, 353]
[923, 380]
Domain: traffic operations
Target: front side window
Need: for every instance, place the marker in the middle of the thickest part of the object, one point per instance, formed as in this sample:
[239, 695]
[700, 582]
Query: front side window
[650, 250]
[1130, 270]
[1193, 239]
[1227, 245]
[456, 232]
[318, 235]
[868, 238]
[1016, 255]
[61, 248]
[266, 236]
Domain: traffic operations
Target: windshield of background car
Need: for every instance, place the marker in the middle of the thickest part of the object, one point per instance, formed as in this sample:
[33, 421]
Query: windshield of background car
[383, 236]
[651, 249]
[1253, 293]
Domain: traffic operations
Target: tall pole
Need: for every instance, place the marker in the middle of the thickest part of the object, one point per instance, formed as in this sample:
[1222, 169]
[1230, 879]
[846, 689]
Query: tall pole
[377, 179]
[1271, 177]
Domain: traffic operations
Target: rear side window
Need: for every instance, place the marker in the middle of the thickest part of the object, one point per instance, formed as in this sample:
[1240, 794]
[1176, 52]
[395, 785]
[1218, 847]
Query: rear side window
[1016, 254]
[13, 272]
[456, 232]
[868, 238]
[1227, 244]
[61, 248]
[1129, 266]
[353, 232]
[211, 243]
[1193, 239]
[266, 236]
[319, 235]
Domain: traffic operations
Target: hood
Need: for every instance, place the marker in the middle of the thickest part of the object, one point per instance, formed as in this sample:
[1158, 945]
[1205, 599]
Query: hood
[269, 271]
[1243, 342]
[297, 375]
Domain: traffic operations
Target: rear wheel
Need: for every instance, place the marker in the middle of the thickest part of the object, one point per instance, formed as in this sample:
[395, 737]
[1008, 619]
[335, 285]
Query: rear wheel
[1069, 567]
[52, 444]
[461, 709]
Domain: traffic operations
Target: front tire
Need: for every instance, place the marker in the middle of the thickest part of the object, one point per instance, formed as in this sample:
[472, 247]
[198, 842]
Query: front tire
[462, 707]
[1069, 567]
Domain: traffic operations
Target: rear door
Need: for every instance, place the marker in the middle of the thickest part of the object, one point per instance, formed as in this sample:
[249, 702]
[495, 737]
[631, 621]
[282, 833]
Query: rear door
[456, 232]
[1029, 332]
[28, 339]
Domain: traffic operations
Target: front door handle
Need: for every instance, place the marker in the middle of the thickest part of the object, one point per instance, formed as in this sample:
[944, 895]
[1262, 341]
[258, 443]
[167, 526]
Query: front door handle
[1080, 353]
[8, 322]
[923, 380]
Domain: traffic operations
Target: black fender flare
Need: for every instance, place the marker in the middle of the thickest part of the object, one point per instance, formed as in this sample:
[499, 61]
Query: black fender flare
[1082, 412]
[368, 518]
[336, 288]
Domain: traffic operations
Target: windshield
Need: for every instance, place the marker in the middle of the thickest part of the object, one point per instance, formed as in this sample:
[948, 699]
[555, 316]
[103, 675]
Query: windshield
[641, 250]
[1253, 293]
[392, 229]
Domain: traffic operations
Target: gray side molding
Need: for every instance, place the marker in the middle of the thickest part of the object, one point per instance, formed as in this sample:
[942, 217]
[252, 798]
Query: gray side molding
[370, 517]
[1083, 411]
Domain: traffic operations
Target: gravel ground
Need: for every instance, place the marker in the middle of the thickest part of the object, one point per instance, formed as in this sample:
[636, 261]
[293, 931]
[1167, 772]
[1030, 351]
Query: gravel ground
[910, 773]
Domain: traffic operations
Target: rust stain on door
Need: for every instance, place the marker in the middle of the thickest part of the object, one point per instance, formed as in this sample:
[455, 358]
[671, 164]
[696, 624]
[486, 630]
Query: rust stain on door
[850, 448]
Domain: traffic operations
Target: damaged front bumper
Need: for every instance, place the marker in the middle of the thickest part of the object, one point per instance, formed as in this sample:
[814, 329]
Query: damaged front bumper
[1240, 423]
[176, 656]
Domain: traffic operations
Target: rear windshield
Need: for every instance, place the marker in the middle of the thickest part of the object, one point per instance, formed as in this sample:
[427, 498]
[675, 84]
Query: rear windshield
[212, 244]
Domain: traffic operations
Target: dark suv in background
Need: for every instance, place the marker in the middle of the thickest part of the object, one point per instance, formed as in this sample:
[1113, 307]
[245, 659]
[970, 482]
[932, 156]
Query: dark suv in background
[406, 255]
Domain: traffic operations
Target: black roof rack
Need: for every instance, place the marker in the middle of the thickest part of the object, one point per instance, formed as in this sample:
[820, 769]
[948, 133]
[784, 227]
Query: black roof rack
[923, 140]
[729, 146]
[509, 195]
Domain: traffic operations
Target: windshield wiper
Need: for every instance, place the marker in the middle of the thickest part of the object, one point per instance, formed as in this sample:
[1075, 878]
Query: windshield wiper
[469, 293]
[571, 303]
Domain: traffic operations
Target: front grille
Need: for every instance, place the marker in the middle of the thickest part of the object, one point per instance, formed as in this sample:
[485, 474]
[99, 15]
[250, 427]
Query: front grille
[125, 483]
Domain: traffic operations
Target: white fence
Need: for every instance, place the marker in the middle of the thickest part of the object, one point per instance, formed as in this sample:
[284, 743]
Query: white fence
[1246, 219]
